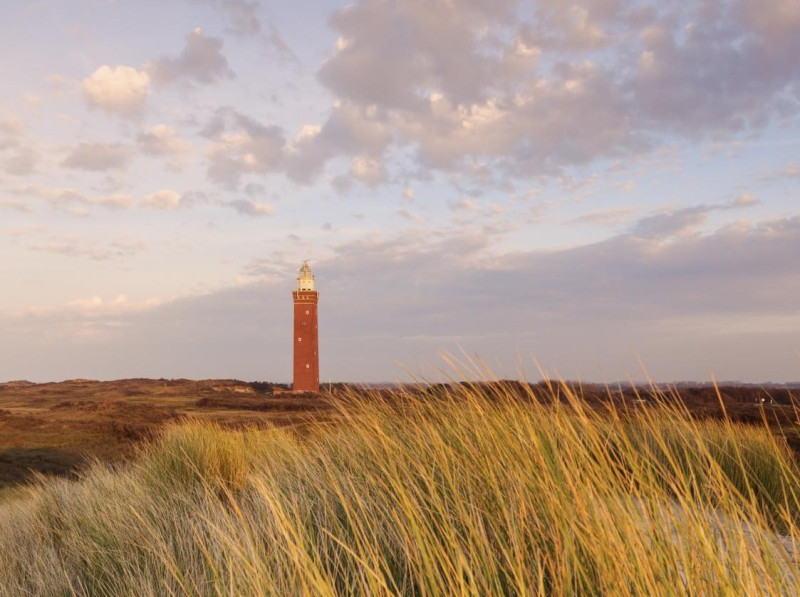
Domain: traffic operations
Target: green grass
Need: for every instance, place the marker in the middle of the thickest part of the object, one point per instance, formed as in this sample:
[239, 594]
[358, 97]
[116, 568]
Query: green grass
[461, 494]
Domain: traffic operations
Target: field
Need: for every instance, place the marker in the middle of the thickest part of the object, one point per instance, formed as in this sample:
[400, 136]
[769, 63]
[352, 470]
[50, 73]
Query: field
[461, 489]
[53, 428]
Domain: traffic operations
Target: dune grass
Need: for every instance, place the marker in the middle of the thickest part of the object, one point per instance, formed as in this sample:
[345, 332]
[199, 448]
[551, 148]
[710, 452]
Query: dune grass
[458, 494]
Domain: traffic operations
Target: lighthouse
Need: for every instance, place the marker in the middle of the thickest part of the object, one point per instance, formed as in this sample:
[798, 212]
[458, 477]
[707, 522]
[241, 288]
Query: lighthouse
[306, 341]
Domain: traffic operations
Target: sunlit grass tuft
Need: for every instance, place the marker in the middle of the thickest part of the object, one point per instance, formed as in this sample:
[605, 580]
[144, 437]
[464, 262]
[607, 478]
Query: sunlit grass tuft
[465, 492]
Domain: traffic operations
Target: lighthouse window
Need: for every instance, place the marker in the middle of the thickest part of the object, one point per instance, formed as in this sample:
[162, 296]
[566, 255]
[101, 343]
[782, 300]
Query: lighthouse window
[307, 311]
[308, 366]
[299, 339]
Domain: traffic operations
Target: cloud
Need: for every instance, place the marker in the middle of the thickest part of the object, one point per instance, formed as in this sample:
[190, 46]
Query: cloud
[444, 283]
[570, 84]
[11, 130]
[682, 221]
[113, 201]
[72, 246]
[408, 215]
[243, 16]
[453, 96]
[605, 217]
[164, 199]
[791, 171]
[465, 205]
[724, 71]
[775, 20]
[701, 302]
[375, 63]
[162, 140]
[305, 156]
[250, 208]
[32, 100]
[667, 224]
[745, 200]
[360, 132]
[120, 305]
[572, 27]
[601, 303]
[15, 205]
[61, 198]
[244, 21]
[116, 338]
[97, 157]
[17, 156]
[168, 199]
[242, 145]
[72, 201]
[121, 90]
[368, 170]
[21, 163]
[201, 62]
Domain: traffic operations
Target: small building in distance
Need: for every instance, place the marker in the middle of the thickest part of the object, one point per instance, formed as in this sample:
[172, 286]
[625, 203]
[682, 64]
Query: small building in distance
[306, 334]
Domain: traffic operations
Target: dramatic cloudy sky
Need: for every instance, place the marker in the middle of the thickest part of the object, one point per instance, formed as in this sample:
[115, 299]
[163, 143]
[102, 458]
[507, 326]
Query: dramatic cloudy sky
[592, 184]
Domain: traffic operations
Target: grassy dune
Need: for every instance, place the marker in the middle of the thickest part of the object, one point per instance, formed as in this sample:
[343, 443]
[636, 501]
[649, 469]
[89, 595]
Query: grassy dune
[461, 493]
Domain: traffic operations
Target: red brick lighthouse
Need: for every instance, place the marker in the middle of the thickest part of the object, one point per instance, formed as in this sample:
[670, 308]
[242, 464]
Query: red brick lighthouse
[306, 343]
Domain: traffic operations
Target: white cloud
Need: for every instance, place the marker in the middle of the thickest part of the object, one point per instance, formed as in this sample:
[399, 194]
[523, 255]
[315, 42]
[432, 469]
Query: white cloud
[349, 130]
[242, 145]
[410, 215]
[96, 305]
[17, 155]
[532, 98]
[368, 170]
[250, 208]
[113, 201]
[685, 221]
[97, 156]
[15, 205]
[71, 200]
[163, 199]
[11, 129]
[465, 205]
[791, 171]
[73, 246]
[577, 309]
[583, 32]
[162, 140]
[121, 90]
[245, 21]
[201, 61]
[745, 200]
[32, 100]
[56, 196]
[606, 217]
[22, 162]
[776, 20]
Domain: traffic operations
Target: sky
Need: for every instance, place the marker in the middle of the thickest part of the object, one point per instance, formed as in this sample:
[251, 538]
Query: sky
[592, 189]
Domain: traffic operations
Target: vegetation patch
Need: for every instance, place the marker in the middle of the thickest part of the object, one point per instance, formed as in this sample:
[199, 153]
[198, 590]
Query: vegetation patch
[508, 492]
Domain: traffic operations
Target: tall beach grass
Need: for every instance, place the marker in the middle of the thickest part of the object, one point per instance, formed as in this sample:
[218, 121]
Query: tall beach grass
[461, 493]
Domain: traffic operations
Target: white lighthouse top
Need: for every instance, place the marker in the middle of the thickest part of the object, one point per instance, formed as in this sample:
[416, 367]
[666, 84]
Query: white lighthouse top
[306, 279]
